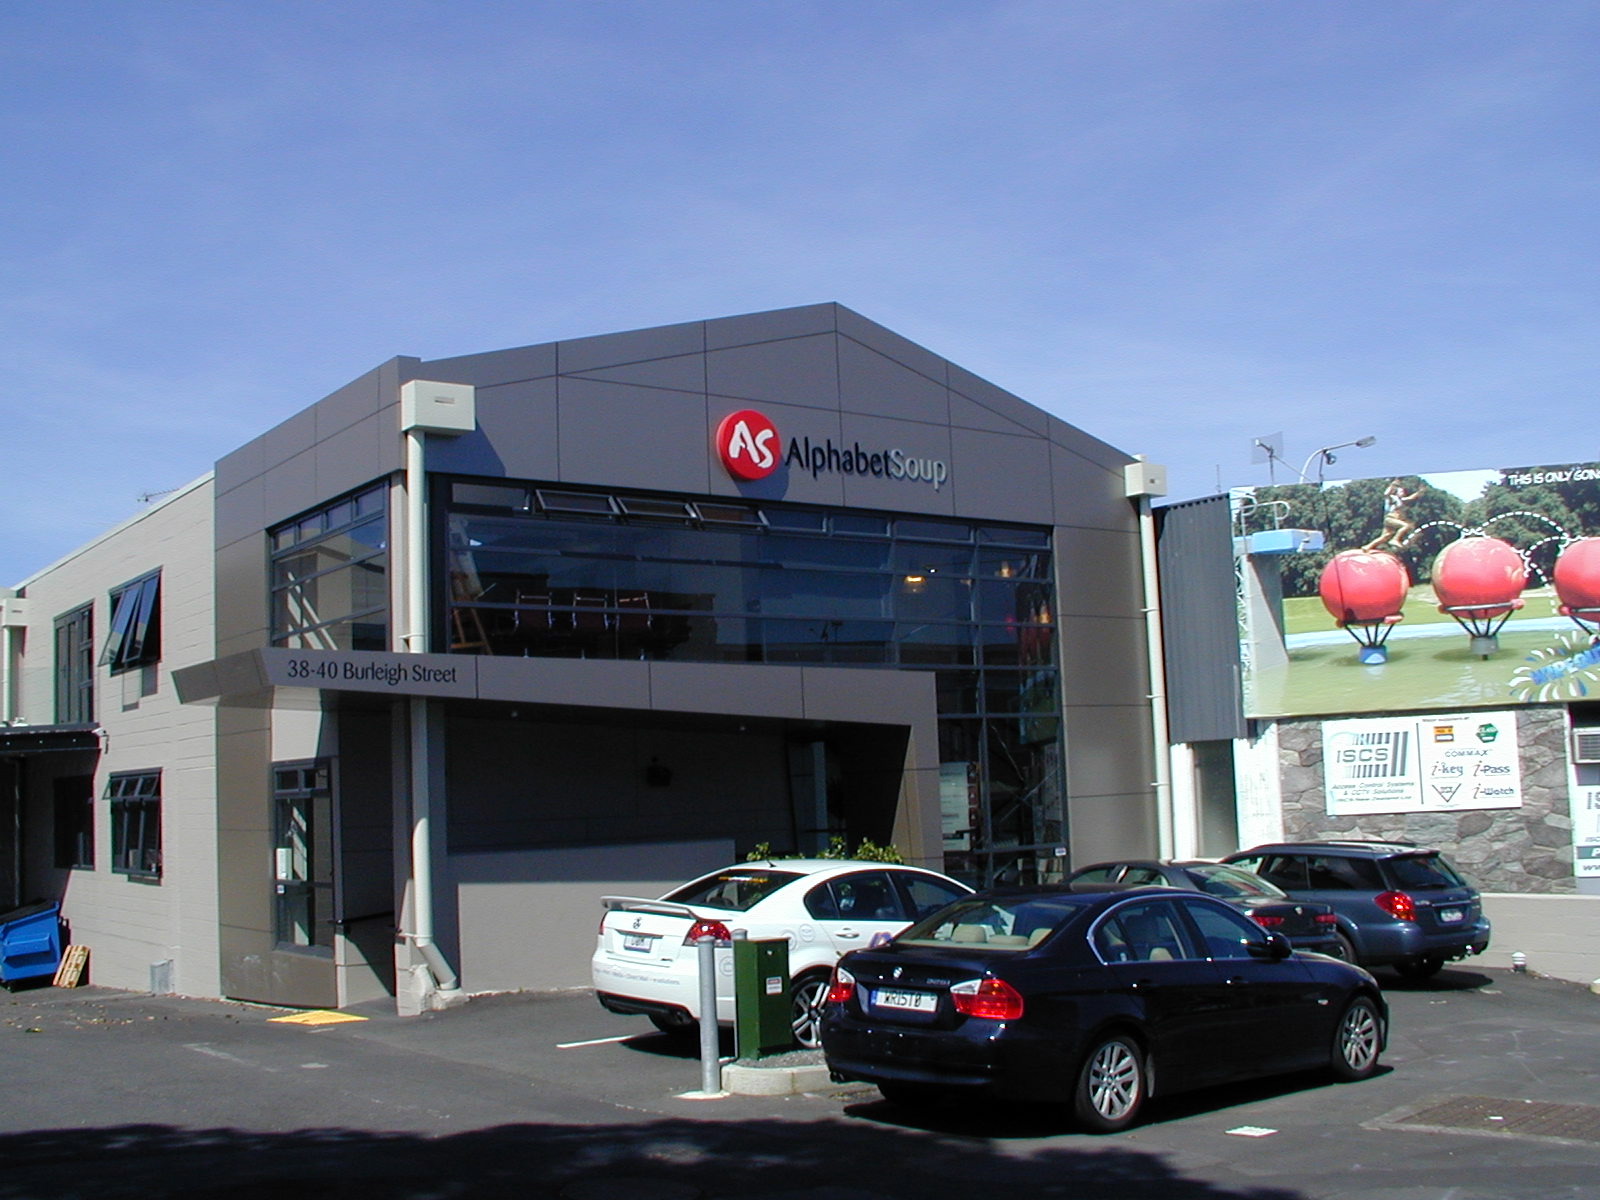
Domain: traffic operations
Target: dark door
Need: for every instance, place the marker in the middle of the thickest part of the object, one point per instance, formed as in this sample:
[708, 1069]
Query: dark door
[1273, 1000]
[1156, 963]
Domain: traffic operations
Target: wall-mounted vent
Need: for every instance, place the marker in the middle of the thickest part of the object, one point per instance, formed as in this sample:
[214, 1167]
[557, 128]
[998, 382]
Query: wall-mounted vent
[1586, 745]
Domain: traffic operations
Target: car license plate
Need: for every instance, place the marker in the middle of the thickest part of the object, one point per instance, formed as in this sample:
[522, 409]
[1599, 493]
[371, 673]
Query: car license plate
[638, 941]
[1451, 916]
[906, 1001]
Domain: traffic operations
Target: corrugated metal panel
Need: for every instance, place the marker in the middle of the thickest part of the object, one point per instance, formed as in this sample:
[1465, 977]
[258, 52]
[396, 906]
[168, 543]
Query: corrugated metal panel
[1199, 619]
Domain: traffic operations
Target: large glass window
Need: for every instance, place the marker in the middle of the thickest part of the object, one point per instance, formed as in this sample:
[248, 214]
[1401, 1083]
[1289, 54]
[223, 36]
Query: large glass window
[136, 823]
[75, 667]
[542, 572]
[330, 585]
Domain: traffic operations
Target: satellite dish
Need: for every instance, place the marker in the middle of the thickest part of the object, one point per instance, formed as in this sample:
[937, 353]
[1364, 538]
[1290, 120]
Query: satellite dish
[1267, 448]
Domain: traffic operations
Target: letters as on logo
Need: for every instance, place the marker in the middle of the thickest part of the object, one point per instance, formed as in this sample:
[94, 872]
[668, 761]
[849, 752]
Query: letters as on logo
[749, 445]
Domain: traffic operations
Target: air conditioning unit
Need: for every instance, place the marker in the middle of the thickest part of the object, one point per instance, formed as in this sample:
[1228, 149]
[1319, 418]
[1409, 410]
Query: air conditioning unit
[1586, 745]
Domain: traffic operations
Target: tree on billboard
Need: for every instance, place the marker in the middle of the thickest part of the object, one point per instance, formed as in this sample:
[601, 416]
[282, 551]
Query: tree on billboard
[1537, 519]
[1350, 516]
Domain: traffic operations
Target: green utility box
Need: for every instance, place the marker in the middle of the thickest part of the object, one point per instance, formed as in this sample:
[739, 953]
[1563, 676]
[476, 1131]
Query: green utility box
[762, 1023]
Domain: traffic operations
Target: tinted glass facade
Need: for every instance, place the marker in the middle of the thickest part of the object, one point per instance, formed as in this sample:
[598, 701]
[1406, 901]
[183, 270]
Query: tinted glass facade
[330, 588]
[561, 572]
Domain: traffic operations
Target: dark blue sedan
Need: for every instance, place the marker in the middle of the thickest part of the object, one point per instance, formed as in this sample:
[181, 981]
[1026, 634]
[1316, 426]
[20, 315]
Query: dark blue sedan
[1099, 1000]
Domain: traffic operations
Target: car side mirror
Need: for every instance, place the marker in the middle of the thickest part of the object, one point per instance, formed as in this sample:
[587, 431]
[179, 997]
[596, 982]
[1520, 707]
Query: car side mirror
[1276, 949]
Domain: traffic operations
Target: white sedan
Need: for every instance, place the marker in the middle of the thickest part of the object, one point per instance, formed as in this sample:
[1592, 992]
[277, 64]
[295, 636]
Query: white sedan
[646, 960]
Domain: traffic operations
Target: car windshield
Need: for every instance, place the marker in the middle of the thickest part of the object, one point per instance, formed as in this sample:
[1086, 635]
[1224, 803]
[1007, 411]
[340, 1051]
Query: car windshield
[1003, 923]
[1231, 883]
[737, 889]
[1424, 871]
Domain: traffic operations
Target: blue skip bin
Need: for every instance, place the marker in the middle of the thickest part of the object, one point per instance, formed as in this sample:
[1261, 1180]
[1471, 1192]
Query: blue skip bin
[30, 941]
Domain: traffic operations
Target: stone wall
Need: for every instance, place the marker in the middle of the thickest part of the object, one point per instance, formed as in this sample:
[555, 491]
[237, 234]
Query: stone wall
[1519, 850]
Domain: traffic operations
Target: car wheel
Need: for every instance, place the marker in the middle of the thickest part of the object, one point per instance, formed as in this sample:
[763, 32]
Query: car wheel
[1419, 968]
[1357, 1040]
[806, 997]
[673, 1023]
[1111, 1085]
[1347, 948]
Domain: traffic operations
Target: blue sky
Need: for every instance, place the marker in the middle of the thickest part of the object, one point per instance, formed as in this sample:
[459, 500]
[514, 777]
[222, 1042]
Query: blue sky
[1178, 225]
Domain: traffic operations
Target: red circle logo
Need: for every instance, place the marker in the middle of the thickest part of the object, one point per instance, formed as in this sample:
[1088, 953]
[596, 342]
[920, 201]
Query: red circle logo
[749, 445]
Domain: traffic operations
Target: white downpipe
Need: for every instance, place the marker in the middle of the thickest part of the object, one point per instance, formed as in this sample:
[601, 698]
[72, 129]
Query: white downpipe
[8, 656]
[1161, 751]
[416, 640]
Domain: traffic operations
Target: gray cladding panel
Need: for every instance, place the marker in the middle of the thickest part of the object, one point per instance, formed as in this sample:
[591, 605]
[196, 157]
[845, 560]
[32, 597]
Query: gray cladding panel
[515, 438]
[293, 437]
[771, 326]
[356, 401]
[1002, 477]
[241, 583]
[637, 345]
[1090, 449]
[871, 697]
[969, 414]
[999, 403]
[871, 383]
[924, 443]
[1098, 572]
[614, 434]
[495, 367]
[891, 345]
[1108, 748]
[291, 486]
[356, 455]
[745, 690]
[1113, 827]
[801, 371]
[1102, 660]
[686, 373]
[558, 680]
[1089, 496]
[244, 464]
[241, 511]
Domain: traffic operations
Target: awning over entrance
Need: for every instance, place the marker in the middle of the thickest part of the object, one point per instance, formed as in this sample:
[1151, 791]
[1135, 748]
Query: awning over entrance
[802, 693]
[47, 739]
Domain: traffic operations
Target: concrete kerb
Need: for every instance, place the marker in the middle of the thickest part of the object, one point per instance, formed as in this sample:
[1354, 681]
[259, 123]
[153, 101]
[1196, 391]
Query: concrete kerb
[789, 1074]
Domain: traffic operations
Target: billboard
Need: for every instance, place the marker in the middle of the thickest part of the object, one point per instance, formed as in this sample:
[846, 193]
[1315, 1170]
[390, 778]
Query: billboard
[1421, 764]
[1459, 590]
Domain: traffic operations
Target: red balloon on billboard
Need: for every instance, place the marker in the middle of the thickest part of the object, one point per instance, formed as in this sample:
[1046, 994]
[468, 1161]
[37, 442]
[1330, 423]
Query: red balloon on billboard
[1479, 578]
[1363, 586]
[1577, 576]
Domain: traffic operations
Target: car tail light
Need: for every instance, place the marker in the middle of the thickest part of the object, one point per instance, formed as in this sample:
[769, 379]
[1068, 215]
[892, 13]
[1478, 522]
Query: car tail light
[707, 929]
[841, 987]
[1266, 921]
[1326, 919]
[992, 998]
[1397, 904]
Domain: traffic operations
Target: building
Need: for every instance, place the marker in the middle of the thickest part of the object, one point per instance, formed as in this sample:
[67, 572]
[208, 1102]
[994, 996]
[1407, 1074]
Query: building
[385, 704]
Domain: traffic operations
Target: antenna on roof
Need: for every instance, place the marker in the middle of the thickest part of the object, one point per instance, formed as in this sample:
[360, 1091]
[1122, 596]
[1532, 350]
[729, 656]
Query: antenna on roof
[1268, 449]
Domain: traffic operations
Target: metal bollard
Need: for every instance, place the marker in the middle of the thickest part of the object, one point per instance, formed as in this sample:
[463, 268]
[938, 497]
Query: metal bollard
[710, 1042]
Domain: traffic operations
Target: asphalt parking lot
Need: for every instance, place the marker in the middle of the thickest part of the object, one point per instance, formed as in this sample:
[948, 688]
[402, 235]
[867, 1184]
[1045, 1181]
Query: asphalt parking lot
[1492, 1089]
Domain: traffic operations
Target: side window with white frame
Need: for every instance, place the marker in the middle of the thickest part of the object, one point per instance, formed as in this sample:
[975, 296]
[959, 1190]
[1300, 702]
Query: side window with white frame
[135, 823]
[135, 637]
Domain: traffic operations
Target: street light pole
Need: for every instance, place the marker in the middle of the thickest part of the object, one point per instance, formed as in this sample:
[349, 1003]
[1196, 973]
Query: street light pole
[1326, 455]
